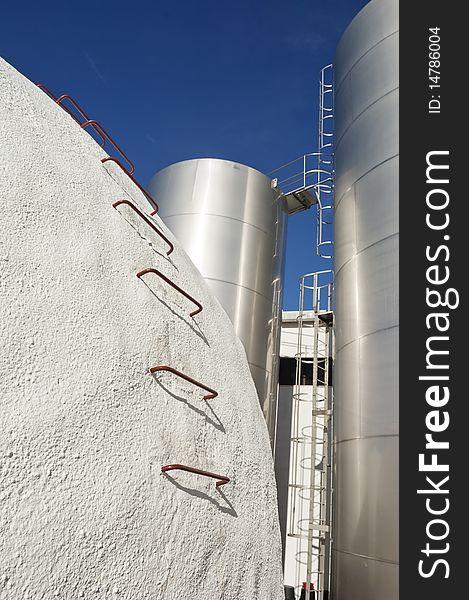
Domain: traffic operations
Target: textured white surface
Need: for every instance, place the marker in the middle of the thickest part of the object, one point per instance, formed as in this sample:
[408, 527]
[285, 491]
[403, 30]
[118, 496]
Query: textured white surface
[84, 509]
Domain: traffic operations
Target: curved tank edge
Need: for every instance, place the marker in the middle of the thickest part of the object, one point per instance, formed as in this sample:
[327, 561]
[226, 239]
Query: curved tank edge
[211, 158]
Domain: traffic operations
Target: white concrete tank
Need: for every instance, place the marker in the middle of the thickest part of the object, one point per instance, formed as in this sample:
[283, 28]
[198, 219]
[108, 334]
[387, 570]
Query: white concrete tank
[86, 511]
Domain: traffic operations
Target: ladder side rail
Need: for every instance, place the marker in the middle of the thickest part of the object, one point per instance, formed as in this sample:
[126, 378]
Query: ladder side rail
[313, 456]
[323, 570]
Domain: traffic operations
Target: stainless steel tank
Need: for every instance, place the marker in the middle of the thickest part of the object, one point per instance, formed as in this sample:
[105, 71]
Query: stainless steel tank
[232, 224]
[365, 534]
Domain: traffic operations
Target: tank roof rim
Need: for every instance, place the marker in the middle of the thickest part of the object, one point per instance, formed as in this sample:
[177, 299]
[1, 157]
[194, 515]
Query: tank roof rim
[212, 158]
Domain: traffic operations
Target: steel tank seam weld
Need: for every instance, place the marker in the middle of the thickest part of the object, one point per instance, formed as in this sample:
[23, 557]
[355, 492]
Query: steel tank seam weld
[357, 339]
[258, 366]
[366, 557]
[176, 215]
[244, 287]
[367, 152]
[383, 162]
[347, 262]
[367, 437]
[360, 114]
[362, 56]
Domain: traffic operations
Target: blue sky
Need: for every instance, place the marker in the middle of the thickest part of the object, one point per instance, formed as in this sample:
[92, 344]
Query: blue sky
[178, 80]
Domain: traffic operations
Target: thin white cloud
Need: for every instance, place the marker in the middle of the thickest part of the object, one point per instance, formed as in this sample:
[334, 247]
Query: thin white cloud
[94, 67]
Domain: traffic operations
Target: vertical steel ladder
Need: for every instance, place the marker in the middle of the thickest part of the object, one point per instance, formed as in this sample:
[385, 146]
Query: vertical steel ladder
[310, 467]
[325, 164]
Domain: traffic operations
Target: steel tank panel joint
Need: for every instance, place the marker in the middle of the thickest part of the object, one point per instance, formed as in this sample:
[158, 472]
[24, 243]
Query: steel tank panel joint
[365, 548]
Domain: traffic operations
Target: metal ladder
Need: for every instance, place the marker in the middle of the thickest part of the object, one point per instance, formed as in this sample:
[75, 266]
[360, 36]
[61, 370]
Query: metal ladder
[309, 179]
[325, 189]
[310, 469]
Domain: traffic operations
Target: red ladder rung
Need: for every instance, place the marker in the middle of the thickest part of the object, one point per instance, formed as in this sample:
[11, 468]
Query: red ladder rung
[47, 91]
[82, 113]
[176, 287]
[144, 192]
[147, 221]
[177, 467]
[59, 102]
[97, 127]
[104, 133]
[212, 393]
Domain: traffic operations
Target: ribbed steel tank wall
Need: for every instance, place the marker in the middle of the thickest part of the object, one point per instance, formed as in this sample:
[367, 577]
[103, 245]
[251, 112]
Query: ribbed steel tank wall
[232, 224]
[365, 554]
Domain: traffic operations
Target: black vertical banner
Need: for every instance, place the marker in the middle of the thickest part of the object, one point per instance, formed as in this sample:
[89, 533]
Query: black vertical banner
[434, 267]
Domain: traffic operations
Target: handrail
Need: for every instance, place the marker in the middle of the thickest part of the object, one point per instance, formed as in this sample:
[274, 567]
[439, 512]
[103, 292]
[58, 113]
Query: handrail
[147, 221]
[299, 175]
[298, 159]
[177, 467]
[176, 287]
[104, 133]
[321, 300]
[212, 393]
[144, 192]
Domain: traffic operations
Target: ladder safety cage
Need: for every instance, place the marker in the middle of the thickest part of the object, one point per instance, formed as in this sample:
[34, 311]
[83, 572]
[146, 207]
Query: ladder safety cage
[311, 434]
[313, 173]
[325, 194]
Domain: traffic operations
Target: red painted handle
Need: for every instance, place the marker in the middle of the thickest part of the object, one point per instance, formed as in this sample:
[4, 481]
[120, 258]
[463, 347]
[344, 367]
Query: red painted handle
[104, 133]
[176, 467]
[176, 287]
[212, 393]
[144, 192]
[147, 221]
[60, 100]
[98, 128]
